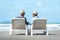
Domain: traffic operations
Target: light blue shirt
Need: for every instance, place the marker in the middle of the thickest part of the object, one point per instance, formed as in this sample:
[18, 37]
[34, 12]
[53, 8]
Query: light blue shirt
[36, 17]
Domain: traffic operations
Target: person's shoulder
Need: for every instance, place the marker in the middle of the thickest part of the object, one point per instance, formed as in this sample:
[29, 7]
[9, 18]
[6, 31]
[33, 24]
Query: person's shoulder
[24, 17]
[36, 17]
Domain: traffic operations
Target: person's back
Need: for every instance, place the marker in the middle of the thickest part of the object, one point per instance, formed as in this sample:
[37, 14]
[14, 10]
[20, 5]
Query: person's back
[22, 13]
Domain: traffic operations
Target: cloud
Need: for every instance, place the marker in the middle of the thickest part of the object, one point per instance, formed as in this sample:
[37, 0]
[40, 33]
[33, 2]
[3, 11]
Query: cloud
[39, 4]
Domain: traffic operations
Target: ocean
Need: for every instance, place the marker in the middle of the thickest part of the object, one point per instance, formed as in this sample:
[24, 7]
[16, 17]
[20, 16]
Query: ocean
[6, 27]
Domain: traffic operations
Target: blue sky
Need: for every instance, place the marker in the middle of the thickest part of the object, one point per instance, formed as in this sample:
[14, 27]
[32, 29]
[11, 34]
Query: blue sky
[49, 9]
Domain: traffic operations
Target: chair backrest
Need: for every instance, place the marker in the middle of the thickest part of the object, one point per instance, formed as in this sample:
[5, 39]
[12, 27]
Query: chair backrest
[18, 23]
[39, 24]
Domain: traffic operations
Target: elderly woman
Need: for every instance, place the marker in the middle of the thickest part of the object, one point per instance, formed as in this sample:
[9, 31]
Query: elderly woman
[22, 14]
[35, 16]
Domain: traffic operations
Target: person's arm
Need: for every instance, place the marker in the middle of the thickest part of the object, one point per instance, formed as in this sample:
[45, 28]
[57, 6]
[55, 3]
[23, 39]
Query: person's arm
[26, 22]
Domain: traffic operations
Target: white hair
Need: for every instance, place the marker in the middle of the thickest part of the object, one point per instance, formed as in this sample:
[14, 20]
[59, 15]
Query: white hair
[35, 12]
[22, 11]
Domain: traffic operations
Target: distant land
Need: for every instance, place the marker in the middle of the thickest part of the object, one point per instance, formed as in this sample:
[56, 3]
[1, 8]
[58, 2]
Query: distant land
[9, 22]
[5, 22]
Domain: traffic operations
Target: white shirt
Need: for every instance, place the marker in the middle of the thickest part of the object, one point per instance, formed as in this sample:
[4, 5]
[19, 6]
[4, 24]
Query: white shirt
[36, 17]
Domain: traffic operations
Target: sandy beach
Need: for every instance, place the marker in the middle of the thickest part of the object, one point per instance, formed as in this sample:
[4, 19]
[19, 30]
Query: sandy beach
[24, 17]
[6, 27]
[53, 35]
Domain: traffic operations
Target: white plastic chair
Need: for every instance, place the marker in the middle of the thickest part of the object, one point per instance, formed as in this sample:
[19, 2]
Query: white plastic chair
[18, 23]
[39, 25]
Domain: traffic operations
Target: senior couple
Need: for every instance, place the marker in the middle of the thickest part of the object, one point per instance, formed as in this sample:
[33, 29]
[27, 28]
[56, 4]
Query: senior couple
[22, 14]
[35, 16]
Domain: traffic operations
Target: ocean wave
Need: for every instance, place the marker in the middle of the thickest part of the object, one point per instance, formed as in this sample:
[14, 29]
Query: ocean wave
[5, 27]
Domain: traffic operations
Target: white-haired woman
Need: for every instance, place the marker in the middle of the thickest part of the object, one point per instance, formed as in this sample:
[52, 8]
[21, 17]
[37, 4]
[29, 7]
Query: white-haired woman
[35, 16]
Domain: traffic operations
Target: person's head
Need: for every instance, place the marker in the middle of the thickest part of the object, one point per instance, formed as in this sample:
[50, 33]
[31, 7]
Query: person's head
[22, 13]
[35, 13]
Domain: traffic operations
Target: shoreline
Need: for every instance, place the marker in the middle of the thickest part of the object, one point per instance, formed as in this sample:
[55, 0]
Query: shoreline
[53, 35]
[5, 27]
[48, 25]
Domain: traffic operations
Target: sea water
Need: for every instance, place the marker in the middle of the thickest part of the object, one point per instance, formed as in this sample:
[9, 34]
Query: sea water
[6, 27]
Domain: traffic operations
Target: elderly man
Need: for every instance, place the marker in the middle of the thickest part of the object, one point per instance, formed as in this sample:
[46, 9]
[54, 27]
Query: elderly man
[22, 14]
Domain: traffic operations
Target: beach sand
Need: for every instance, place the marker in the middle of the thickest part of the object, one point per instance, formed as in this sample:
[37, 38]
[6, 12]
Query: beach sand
[53, 35]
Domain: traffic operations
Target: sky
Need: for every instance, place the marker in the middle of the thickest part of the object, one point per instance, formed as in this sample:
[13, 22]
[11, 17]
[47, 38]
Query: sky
[49, 9]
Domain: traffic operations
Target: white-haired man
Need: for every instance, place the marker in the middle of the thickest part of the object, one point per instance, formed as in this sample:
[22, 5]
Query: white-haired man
[22, 14]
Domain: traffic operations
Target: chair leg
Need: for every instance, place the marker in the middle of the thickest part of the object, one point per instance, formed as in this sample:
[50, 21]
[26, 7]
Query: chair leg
[11, 31]
[47, 33]
[31, 31]
[26, 30]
